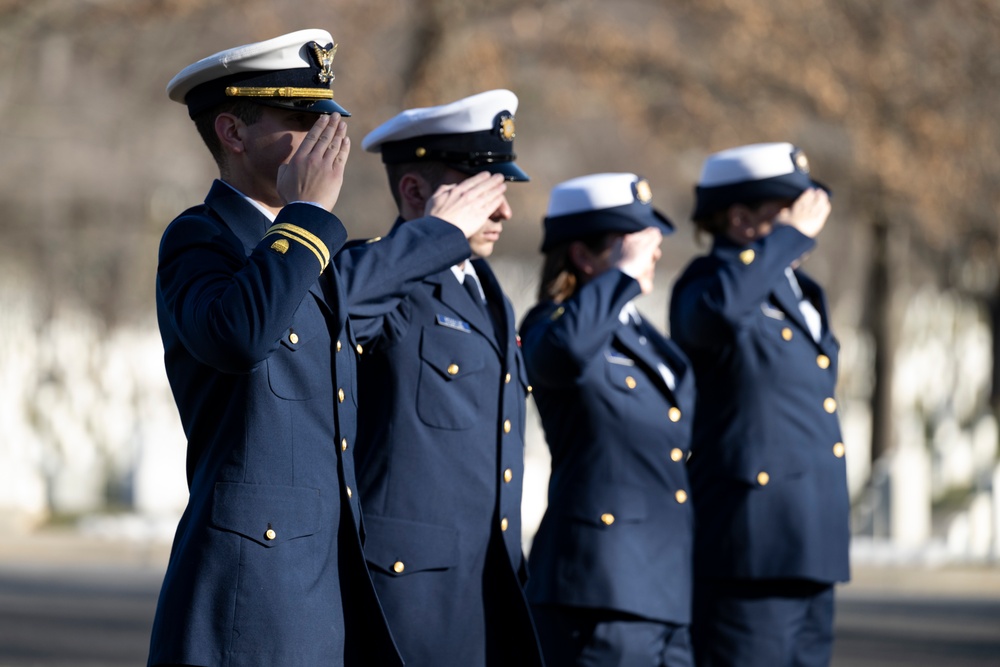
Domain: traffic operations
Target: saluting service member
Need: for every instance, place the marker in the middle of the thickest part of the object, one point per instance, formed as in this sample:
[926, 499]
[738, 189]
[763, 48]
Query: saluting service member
[442, 395]
[767, 469]
[266, 566]
[611, 561]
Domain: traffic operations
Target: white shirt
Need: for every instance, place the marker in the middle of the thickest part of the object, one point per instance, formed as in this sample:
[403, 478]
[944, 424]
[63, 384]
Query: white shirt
[813, 319]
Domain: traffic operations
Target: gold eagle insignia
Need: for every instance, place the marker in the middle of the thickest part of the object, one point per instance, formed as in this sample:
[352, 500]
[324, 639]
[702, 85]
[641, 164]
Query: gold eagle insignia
[324, 58]
[507, 127]
[643, 192]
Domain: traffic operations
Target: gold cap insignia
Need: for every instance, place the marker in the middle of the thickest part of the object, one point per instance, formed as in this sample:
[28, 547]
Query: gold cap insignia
[324, 58]
[643, 192]
[507, 127]
[800, 160]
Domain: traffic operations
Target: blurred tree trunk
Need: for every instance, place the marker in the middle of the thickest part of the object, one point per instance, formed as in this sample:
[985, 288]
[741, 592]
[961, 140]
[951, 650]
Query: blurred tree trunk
[880, 323]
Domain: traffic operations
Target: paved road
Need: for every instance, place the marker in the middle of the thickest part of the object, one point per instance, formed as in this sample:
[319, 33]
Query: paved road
[92, 607]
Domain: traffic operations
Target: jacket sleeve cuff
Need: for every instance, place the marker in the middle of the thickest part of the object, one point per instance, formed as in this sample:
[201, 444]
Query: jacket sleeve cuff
[301, 227]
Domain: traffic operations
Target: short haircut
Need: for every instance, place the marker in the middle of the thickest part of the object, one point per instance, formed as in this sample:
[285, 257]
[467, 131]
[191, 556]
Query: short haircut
[432, 172]
[246, 111]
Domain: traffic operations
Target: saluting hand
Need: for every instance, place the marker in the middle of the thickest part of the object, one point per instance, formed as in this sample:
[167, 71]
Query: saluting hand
[468, 205]
[316, 171]
[808, 213]
[637, 253]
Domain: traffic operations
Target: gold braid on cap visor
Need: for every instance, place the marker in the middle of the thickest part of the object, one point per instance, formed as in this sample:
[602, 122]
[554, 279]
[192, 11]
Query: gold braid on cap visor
[283, 92]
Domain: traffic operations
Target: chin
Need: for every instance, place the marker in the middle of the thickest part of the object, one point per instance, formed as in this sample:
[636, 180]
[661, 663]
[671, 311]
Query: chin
[482, 249]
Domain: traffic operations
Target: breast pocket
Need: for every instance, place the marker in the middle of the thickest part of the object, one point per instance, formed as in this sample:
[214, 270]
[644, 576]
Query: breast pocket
[300, 368]
[622, 373]
[451, 373]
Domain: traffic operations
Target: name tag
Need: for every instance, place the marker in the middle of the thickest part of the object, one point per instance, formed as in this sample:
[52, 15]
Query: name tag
[619, 359]
[453, 323]
[771, 311]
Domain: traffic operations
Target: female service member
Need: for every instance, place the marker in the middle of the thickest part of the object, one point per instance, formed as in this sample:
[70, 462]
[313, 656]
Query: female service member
[611, 562]
[768, 464]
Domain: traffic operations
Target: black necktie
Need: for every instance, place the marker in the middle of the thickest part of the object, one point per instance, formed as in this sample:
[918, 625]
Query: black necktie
[472, 287]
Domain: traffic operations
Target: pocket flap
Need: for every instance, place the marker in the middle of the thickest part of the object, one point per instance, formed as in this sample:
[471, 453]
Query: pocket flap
[265, 513]
[607, 504]
[453, 354]
[401, 547]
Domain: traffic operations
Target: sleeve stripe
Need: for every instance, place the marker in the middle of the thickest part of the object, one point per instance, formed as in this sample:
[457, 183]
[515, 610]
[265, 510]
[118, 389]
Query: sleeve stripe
[319, 258]
[306, 236]
[303, 236]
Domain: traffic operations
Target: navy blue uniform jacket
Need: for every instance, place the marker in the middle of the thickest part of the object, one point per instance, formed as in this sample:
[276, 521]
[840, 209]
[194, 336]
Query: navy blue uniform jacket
[266, 566]
[440, 466]
[617, 533]
[767, 468]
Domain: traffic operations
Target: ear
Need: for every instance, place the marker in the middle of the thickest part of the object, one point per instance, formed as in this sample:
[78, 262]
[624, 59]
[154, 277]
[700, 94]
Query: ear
[229, 129]
[581, 257]
[414, 192]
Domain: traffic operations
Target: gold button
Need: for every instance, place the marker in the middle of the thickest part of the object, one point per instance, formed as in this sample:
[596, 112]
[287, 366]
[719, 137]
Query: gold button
[630, 382]
[398, 567]
[557, 313]
[293, 338]
[506, 426]
[529, 388]
[747, 256]
[508, 475]
[343, 445]
[359, 348]
[763, 478]
[823, 361]
[786, 333]
[503, 524]
[674, 414]
[681, 496]
[607, 518]
[420, 152]
[452, 369]
[270, 534]
[506, 379]
[838, 450]
[676, 454]
[349, 492]
[338, 346]
[830, 405]
[340, 394]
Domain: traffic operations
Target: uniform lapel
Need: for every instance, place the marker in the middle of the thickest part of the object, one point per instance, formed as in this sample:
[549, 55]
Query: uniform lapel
[814, 293]
[451, 293]
[785, 298]
[628, 335]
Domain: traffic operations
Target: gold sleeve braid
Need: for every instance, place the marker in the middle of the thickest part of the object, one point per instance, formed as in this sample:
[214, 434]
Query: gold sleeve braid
[304, 237]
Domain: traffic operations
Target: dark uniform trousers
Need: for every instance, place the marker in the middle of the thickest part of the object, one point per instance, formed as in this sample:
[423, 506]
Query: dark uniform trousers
[266, 567]
[767, 466]
[611, 561]
[440, 464]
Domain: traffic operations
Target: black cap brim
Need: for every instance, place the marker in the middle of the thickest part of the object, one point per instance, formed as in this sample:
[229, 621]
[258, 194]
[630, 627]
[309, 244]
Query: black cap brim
[510, 170]
[323, 107]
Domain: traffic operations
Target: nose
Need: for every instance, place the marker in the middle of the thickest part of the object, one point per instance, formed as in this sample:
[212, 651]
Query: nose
[503, 212]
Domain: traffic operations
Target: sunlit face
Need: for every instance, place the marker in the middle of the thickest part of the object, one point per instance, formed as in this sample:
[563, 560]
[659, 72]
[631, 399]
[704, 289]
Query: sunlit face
[483, 241]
